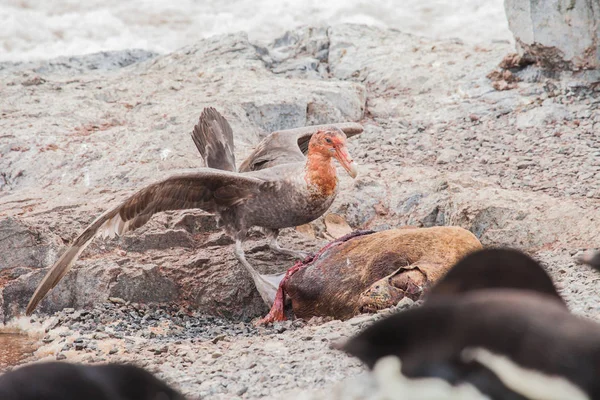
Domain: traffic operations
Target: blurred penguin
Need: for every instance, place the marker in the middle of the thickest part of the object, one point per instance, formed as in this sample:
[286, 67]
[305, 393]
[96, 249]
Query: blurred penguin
[508, 337]
[66, 381]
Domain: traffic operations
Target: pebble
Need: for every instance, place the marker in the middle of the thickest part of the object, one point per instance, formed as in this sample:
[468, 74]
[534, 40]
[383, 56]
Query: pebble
[100, 335]
[218, 338]
[447, 156]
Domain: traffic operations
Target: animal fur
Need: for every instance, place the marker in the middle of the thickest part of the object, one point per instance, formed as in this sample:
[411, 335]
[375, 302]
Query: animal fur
[335, 284]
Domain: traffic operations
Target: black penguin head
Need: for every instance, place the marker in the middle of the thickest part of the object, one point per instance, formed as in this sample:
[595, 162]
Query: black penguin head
[495, 269]
[67, 381]
[487, 338]
[408, 332]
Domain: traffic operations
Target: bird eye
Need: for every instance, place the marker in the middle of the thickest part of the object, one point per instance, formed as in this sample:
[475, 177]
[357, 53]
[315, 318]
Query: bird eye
[328, 140]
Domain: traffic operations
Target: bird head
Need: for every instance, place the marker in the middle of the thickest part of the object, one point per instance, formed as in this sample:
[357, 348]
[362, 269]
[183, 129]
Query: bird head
[332, 143]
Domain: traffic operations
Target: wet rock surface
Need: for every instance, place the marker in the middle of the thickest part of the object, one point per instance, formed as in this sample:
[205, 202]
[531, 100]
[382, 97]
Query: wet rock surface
[441, 146]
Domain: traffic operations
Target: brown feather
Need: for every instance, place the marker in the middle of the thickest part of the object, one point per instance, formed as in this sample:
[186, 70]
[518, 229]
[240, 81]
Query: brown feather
[209, 190]
[213, 137]
[62, 266]
[290, 145]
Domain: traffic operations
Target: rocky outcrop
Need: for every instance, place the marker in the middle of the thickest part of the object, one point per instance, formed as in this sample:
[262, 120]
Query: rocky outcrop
[440, 147]
[23, 247]
[557, 34]
[103, 61]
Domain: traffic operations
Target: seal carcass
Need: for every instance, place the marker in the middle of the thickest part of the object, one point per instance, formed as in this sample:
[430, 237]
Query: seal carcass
[365, 272]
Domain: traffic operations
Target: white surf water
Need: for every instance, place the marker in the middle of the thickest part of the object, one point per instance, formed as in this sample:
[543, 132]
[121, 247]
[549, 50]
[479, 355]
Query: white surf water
[37, 29]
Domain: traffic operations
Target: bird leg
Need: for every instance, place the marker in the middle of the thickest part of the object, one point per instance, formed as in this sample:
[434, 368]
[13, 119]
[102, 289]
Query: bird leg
[266, 285]
[274, 245]
[277, 312]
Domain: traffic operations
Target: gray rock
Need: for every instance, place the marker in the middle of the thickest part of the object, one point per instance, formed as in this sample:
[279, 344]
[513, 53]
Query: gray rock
[81, 288]
[275, 116]
[102, 62]
[159, 240]
[147, 284]
[447, 156]
[379, 59]
[436, 217]
[557, 34]
[23, 247]
[540, 116]
[411, 202]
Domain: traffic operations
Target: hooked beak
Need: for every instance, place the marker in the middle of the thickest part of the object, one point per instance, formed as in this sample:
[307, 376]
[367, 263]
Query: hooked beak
[341, 153]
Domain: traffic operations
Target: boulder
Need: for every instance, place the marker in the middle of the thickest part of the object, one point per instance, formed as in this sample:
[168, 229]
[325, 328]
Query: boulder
[557, 34]
[23, 246]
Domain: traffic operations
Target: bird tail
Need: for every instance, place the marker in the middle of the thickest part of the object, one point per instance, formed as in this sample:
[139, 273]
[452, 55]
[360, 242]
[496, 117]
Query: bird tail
[109, 224]
[213, 137]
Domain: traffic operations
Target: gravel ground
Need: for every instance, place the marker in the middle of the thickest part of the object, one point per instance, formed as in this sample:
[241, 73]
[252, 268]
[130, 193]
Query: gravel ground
[560, 157]
[206, 356]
